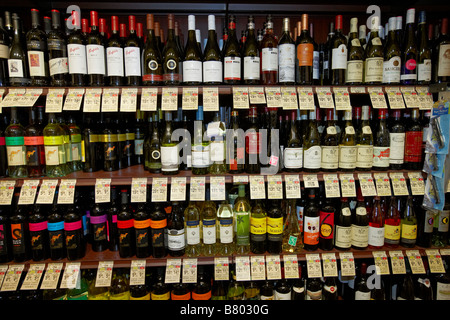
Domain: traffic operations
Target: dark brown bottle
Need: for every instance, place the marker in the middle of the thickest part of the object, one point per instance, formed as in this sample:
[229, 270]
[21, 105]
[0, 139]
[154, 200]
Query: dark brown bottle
[37, 52]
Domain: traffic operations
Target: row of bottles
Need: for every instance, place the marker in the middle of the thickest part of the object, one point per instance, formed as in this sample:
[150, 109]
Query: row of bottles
[92, 56]
[228, 141]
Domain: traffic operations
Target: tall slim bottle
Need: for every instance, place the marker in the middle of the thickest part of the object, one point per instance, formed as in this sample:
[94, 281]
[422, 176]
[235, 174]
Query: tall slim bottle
[34, 142]
[355, 58]
[236, 155]
[37, 52]
[329, 145]
[73, 234]
[338, 54]
[364, 142]
[132, 55]
[125, 228]
[392, 56]
[76, 53]
[114, 55]
[171, 56]
[169, 149]
[192, 63]
[152, 68]
[376, 225]
[269, 55]
[347, 145]
[57, 52]
[226, 243]
[216, 132]
[424, 62]
[286, 55]
[397, 141]
[293, 151]
[95, 54]
[209, 226]
[305, 53]
[18, 69]
[392, 225]
[381, 144]
[413, 144]
[408, 225]
[409, 51]
[258, 228]
[142, 231]
[312, 153]
[251, 56]
[201, 157]
[252, 143]
[242, 219]
[311, 223]
[212, 59]
[232, 55]
[192, 225]
[442, 69]
[292, 233]
[373, 64]
[158, 225]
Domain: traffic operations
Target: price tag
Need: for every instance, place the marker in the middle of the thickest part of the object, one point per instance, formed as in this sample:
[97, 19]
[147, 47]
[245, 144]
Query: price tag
[128, 100]
[217, 188]
[258, 269]
[173, 271]
[273, 267]
[331, 185]
[211, 99]
[159, 190]
[290, 266]
[54, 100]
[3, 270]
[367, 185]
[342, 98]
[313, 265]
[51, 276]
[149, 99]
[138, 190]
[190, 98]
[410, 97]
[169, 99]
[137, 272]
[289, 99]
[397, 262]
[178, 189]
[257, 95]
[415, 261]
[325, 97]
[66, 192]
[92, 100]
[329, 265]
[47, 191]
[6, 191]
[73, 100]
[358, 90]
[306, 98]
[33, 277]
[197, 189]
[242, 268]
[381, 262]
[292, 183]
[30, 97]
[274, 187]
[110, 100]
[273, 97]
[395, 98]
[13, 97]
[435, 261]
[240, 98]
[417, 184]
[310, 181]
[70, 276]
[221, 269]
[399, 184]
[444, 252]
[189, 271]
[12, 277]
[347, 264]
[425, 98]
[102, 190]
[348, 188]
[383, 184]
[377, 97]
[104, 274]
[240, 179]
[257, 187]
[28, 191]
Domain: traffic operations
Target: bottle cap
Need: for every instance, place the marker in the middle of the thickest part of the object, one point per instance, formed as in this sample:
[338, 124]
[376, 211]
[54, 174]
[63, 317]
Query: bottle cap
[211, 22]
[353, 25]
[150, 21]
[94, 18]
[422, 17]
[139, 30]
[132, 23]
[304, 22]
[410, 15]
[362, 31]
[191, 22]
[123, 30]
[338, 22]
[392, 23]
[114, 23]
[398, 22]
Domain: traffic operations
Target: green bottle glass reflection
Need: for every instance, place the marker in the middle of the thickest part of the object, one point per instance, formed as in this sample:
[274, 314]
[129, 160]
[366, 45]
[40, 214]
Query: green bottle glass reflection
[120, 289]
[209, 226]
[55, 151]
[75, 145]
[242, 219]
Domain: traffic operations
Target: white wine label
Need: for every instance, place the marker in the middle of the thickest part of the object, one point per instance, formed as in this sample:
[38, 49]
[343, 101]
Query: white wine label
[240, 98]
[391, 70]
[444, 60]
[373, 69]
[76, 56]
[104, 273]
[312, 157]
[293, 158]
[110, 100]
[58, 66]
[397, 262]
[306, 98]
[211, 99]
[252, 68]
[173, 271]
[354, 72]
[329, 265]
[178, 189]
[192, 71]
[190, 98]
[212, 71]
[339, 57]
[137, 272]
[269, 57]
[424, 70]
[286, 63]
[132, 57]
[128, 100]
[114, 61]
[95, 55]
[221, 269]
[138, 190]
[376, 236]
[4, 51]
[169, 99]
[54, 100]
[347, 157]
[257, 268]
[364, 157]
[330, 156]
[51, 276]
[33, 277]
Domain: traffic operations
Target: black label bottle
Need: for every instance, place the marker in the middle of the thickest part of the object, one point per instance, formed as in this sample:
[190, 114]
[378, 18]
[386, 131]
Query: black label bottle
[20, 233]
[142, 232]
[38, 234]
[55, 226]
[158, 225]
[74, 234]
[125, 228]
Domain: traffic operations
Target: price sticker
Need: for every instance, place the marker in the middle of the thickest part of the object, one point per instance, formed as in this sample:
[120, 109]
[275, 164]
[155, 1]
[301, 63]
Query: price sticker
[348, 188]
[313, 265]
[240, 179]
[383, 185]
[325, 97]
[33, 277]
[173, 271]
[102, 190]
[28, 191]
[178, 189]
[92, 100]
[104, 274]
[310, 181]
[51, 276]
[3, 270]
[273, 97]
[128, 100]
[395, 98]
[425, 98]
[159, 190]
[190, 98]
[66, 192]
[358, 90]
[169, 99]
[342, 98]
[197, 189]
[367, 185]
[110, 100]
[221, 269]
[47, 191]
[189, 271]
[290, 266]
[397, 262]
[70, 275]
[273, 267]
[331, 185]
[435, 261]
[274, 187]
[306, 98]
[399, 184]
[138, 190]
[13, 97]
[6, 191]
[444, 252]
[240, 98]
[211, 99]
[416, 183]
[347, 264]
[289, 99]
[410, 97]
[415, 261]
[381, 262]
[149, 99]
[217, 188]
[30, 97]
[54, 100]
[329, 262]
[242, 268]
[377, 98]
[292, 183]
[257, 187]
[137, 272]
[257, 95]
[12, 277]
[258, 270]
[73, 100]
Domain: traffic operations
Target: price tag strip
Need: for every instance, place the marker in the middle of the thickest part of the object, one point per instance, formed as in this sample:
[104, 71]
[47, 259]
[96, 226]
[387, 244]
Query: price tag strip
[289, 99]
[128, 100]
[399, 184]
[73, 100]
[149, 99]
[197, 189]
[28, 191]
[139, 190]
[169, 99]
[347, 264]
[329, 265]
[331, 185]
[257, 187]
[240, 179]
[310, 181]
[416, 183]
[92, 100]
[445, 252]
[256, 95]
[358, 90]
[306, 98]
[217, 188]
[51, 276]
[66, 192]
[12, 277]
[383, 184]
[377, 98]
[397, 262]
[290, 266]
[415, 261]
[425, 98]
[102, 190]
[6, 191]
[274, 187]
[47, 191]
[273, 266]
[242, 268]
[325, 97]
[258, 269]
[221, 269]
[342, 98]
[348, 188]
[54, 100]
[178, 189]
[410, 97]
[367, 185]
[395, 98]
[110, 100]
[30, 97]
[190, 98]
[240, 98]
[33, 277]
[435, 261]
[273, 97]
[313, 265]
[211, 99]
[381, 262]
[159, 189]
[13, 98]
[189, 270]
[137, 272]
[292, 183]
[70, 276]
[104, 274]
[173, 271]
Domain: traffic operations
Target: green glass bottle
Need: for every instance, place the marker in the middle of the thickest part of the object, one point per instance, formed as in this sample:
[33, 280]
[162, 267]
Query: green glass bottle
[373, 65]
[66, 139]
[80, 292]
[15, 147]
[192, 64]
[75, 144]
[169, 149]
[347, 145]
[236, 289]
[153, 155]
[151, 57]
[200, 146]
[424, 62]
[55, 151]
[364, 142]
[120, 289]
[408, 225]
[242, 219]
[392, 56]
[312, 153]
[192, 227]
[226, 244]
[94, 292]
[355, 58]
[212, 58]
[216, 132]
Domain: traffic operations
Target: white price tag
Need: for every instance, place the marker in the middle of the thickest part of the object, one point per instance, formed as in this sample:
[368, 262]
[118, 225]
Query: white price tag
[178, 189]
[3, 270]
[51, 276]
[367, 185]
[102, 190]
[70, 276]
[310, 181]
[169, 99]
[30, 97]
[325, 97]
[331, 185]
[66, 192]
[415, 261]
[47, 191]
[273, 266]
[329, 265]
[397, 262]
[33, 277]
[28, 191]
[159, 190]
[258, 269]
[381, 262]
[342, 98]
[306, 98]
[240, 98]
[104, 274]
[273, 97]
[347, 264]
[92, 100]
[257, 187]
[137, 272]
[240, 179]
[73, 100]
[54, 100]
[410, 97]
[274, 187]
[190, 98]
[110, 100]
[173, 271]
[383, 184]
[289, 99]
[242, 268]
[211, 99]
[292, 183]
[313, 265]
[189, 271]
[128, 100]
[395, 98]
[149, 99]
[13, 98]
[138, 190]
[221, 269]
[6, 191]
[197, 189]
[435, 261]
[290, 266]
[417, 183]
[377, 97]
[257, 95]
[217, 188]
[12, 277]
[348, 188]
[425, 98]
[399, 184]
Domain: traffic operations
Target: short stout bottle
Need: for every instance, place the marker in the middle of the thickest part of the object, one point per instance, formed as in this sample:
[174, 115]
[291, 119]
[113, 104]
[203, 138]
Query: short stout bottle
[286, 56]
[114, 55]
[192, 63]
[95, 54]
[151, 57]
[269, 55]
[355, 58]
[338, 54]
[373, 64]
[251, 56]
[37, 52]
[330, 144]
[392, 56]
[212, 59]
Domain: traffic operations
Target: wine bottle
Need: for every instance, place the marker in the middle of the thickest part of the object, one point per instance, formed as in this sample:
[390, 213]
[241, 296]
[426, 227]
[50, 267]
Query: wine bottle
[120, 289]
[125, 228]
[293, 151]
[364, 142]
[397, 141]
[413, 144]
[286, 55]
[292, 237]
[360, 224]
[39, 236]
[132, 55]
[267, 292]
[242, 210]
[158, 225]
[153, 148]
[20, 234]
[216, 134]
[128, 145]
[226, 244]
[311, 145]
[152, 69]
[73, 234]
[159, 289]
[169, 149]
[37, 52]
[409, 51]
[176, 241]
[181, 291]
[5, 43]
[311, 224]
[235, 290]
[75, 145]
[95, 54]
[355, 58]
[330, 291]
[274, 228]
[192, 63]
[114, 55]
[57, 52]
[338, 51]
[362, 30]
[327, 225]
[314, 289]
[376, 225]
[18, 69]
[192, 224]
[424, 63]
[252, 142]
[305, 53]
[55, 226]
[91, 154]
[269, 55]
[381, 145]
[258, 227]
[212, 59]
[66, 142]
[209, 226]
[251, 55]
[329, 145]
[231, 55]
[298, 285]
[55, 151]
[110, 143]
[392, 225]
[442, 72]
[34, 142]
[142, 231]
[201, 158]
[171, 57]
[373, 64]
[343, 227]
[140, 133]
[362, 291]
[347, 145]
[442, 290]
[76, 53]
[408, 225]
[282, 289]
[392, 56]
[236, 155]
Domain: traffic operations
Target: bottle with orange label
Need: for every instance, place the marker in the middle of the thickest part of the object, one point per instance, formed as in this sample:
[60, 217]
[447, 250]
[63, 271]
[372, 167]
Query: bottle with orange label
[202, 289]
[311, 223]
[326, 218]
[305, 53]
[19, 232]
[160, 290]
[158, 225]
[142, 232]
[180, 291]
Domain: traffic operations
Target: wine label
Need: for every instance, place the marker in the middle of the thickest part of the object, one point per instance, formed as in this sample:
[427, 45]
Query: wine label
[376, 236]
[252, 68]
[316, 65]
[347, 157]
[52, 155]
[381, 157]
[269, 59]
[374, 69]
[343, 236]
[391, 70]
[226, 230]
[408, 70]
[413, 146]
[397, 148]
[58, 66]
[311, 230]
[4, 51]
[15, 68]
[193, 232]
[95, 55]
[192, 71]
[212, 71]
[132, 57]
[444, 60]
[76, 55]
[36, 63]
[330, 157]
[360, 234]
[305, 54]
[232, 68]
[286, 62]
[114, 61]
[364, 158]
[354, 72]
[339, 57]
[293, 158]
[312, 157]
[424, 70]
[169, 158]
[209, 231]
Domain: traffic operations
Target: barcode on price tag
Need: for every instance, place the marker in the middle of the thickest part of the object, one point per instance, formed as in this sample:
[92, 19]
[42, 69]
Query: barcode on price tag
[217, 188]
[73, 100]
[138, 190]
[110, 100]
[367, 185]
[70, 276]
[325, 97]
[211, 99]
[128, 100]
[92, 100]
[397, 262]
[381, 262]
[137, 272]
[331, 185]
[257, 95]
[159, 190]
[399, 184]
[190, 98]
[306, 98]
[33, 277]
[102, 190]
[66, 191]
[329, 262]
[273, 97]
[313, 265]
[104, 274]
[51, 276]
[12, 277]
[377, 98]
[274, 187]
[289, 99]
[290, 266]
[395, 98]
[383, 184]
[178, 189]
[28, 191]
[197, 189]
[149, 99]
[258, 270]
[292, 183]
[54, 100]
[169, 99]
[257, 187]
[6, 191]
[348, 188]
[240, 98]
[173, 271]
[221, 269]
[416, 183]
[189, 270]
[342, 98]
[47, 191]
[242, 268]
